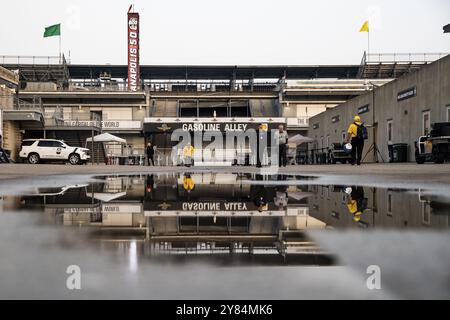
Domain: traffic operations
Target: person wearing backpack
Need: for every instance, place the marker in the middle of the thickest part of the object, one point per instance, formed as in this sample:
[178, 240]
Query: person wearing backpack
[356, 134]
[356, 202]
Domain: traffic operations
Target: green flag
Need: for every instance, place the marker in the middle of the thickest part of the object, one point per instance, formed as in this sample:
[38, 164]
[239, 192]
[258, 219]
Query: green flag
[54, 30]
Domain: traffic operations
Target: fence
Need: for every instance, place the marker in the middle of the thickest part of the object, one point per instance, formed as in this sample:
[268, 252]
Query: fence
[244, 157]
[313, 156]
[402, 57]
[32, 60]
[34, 105]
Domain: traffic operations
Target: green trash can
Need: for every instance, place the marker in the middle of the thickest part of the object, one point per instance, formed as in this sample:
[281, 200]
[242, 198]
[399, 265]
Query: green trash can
[400, 152]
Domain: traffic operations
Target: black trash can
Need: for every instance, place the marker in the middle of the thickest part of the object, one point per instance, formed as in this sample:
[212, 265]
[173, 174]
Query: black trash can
[400, 152]
[390, 151]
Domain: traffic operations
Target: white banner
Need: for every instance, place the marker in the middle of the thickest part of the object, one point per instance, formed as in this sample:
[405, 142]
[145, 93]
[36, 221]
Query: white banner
[107, 125]
[121, 125]
[121, 208]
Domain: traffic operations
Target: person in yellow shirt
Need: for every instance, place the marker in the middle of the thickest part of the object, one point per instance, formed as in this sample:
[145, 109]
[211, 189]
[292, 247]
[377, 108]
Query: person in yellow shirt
[188, 154]
[356, 202]
[188, 183]
[354, 136]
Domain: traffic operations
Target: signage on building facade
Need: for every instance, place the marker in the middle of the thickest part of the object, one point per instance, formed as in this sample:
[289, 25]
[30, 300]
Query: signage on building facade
[121, 208]
[363, 109]
[235, 206]
[210, 126]
[107, 125]
[406, 94]
[122, 125]
[133, 51]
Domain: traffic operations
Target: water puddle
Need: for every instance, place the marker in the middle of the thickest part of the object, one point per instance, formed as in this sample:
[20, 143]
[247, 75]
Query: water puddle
[220, 220]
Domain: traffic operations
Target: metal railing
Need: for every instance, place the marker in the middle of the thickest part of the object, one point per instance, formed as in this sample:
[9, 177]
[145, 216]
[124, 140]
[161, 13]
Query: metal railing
[33, 60]
[402, 57]
[313, 156]
[209, 86]
[244, 156]
[97, 86]
[34, 105]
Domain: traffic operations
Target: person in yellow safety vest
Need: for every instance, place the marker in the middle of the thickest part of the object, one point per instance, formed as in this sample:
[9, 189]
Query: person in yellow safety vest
[356, 141]
[188, 183]
[356, 202]
[188, 154]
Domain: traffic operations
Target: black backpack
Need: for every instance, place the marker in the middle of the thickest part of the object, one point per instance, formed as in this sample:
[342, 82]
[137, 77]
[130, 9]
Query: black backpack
[362, 132]
[362, 204]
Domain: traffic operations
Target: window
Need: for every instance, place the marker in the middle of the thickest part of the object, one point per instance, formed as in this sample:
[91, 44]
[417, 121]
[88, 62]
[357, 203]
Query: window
[389, 204]
[45, 144]
[448, 113]
[390, 132]
[426, 213]
[50, 144]
[57, 144]
[426, 122]
[27, 143]
[328, 141]
[96, 115]
[344, 136]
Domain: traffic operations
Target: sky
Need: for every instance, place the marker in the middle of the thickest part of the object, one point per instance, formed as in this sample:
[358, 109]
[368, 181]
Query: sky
[232, 32]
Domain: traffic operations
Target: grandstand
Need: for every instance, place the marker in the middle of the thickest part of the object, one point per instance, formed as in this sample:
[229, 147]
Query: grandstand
[83, 93]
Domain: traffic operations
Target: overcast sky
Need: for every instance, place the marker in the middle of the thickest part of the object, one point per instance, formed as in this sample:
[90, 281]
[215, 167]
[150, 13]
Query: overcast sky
[232, 32]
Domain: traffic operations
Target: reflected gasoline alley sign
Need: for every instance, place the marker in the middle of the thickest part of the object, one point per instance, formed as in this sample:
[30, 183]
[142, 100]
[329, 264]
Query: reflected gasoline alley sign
[191, 206]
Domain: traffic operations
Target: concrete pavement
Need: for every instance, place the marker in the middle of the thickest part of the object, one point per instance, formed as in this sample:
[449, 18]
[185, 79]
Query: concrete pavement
[408, 172]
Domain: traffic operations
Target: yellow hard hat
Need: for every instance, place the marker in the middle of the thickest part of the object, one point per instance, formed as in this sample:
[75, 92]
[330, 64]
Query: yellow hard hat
[357, 119]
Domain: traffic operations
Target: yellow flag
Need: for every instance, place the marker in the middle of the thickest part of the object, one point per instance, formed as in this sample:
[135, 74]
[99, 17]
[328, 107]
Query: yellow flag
[365, 27]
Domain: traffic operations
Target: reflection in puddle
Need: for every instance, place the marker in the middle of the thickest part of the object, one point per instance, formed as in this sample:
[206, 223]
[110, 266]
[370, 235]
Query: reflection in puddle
[227, 219]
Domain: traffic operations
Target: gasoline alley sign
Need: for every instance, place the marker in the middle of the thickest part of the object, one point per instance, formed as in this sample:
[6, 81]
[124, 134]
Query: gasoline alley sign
[193, 206]
[214, 127]
[133, 51]
[206, 127]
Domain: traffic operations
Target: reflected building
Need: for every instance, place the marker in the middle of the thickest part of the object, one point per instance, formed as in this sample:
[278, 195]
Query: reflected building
[231, 218]
[377, 208]
[191, 214]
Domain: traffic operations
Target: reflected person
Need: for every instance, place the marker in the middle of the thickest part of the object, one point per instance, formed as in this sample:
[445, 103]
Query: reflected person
[356, 202]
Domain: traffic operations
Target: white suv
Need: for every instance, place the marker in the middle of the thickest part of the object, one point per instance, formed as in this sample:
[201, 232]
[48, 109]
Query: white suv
[36, 150]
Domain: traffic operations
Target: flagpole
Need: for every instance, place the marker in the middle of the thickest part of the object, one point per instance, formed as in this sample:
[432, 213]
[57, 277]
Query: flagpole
[60, 55]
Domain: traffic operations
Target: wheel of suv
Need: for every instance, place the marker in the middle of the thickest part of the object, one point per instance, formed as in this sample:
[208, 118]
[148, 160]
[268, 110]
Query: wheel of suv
[439, 158]
[74, 159]
[420, 160]
[33, 158]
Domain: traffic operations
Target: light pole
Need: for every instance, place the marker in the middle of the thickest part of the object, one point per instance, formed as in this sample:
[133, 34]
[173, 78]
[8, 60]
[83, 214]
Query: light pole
[374, 146]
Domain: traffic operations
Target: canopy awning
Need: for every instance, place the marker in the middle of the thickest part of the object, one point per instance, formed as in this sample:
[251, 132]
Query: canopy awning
[106, 197]
[107, 137]
[298, 139]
